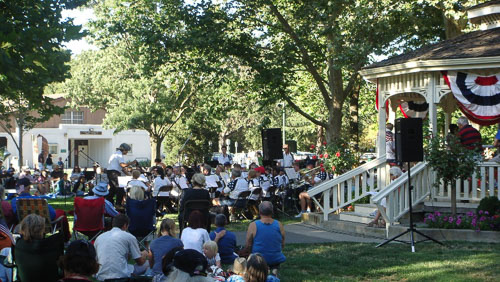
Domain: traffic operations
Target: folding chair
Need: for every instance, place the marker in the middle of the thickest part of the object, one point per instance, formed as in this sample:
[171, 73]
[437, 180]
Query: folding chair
[241, 203]
[89, 217]
[27, 206]
[202, 205]
[162, 198]
[37, 260]
[142, 216]
[254, 200]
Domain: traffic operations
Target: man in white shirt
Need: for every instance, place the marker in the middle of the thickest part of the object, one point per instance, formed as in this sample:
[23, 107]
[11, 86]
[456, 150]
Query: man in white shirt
[287, 160]
[115, 165]
[180, 181]
[137, 181]
[115, 247]
[224, 157]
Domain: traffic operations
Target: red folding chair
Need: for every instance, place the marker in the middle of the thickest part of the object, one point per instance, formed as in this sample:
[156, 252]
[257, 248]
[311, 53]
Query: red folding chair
[89, 217]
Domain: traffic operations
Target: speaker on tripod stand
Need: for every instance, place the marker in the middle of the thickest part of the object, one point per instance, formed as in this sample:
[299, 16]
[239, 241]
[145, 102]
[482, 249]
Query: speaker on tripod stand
[409, 148]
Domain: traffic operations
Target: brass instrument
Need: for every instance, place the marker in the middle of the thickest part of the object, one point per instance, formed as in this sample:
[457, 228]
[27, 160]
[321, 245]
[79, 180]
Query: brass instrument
[305, 175]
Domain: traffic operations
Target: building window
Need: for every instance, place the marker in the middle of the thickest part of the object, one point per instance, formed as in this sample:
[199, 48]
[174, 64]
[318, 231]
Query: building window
[72, 117]
[53, 149]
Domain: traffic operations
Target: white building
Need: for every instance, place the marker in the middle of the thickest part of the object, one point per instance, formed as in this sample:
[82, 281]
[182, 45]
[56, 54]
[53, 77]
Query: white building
[78, 138]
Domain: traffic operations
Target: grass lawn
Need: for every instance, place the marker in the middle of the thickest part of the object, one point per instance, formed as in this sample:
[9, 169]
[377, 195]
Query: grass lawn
[361, 261]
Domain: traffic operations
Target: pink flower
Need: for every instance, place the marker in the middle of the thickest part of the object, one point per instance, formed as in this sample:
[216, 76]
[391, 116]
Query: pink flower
[470, 213]
[450, 219]
[445, 218]
[459, 220]
[486, 213]
[324, 143]
[312, 147]
[483, 218]
[321, 156]
[438, 214]
[481, 212]
[337, 154]
[326, 156]
[315, 157]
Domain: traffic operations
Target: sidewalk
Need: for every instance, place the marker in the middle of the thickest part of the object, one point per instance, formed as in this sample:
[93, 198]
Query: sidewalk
[302, 233]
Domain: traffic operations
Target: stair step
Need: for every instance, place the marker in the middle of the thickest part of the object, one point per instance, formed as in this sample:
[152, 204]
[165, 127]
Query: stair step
[355, 217]
[365, 209]
[353, 228]
[448, 204]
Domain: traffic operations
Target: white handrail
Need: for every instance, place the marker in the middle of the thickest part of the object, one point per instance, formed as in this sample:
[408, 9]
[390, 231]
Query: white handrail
[351, 186]
[396, 193]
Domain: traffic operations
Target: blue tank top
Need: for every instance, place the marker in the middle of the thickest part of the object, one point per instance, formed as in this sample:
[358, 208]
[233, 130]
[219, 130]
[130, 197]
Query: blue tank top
[267, 242]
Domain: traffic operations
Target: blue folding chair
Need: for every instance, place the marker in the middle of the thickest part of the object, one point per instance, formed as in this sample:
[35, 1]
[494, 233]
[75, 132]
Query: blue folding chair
[142, 215]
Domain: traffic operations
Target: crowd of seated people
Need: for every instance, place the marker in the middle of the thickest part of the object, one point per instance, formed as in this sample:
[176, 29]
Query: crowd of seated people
[115, 248]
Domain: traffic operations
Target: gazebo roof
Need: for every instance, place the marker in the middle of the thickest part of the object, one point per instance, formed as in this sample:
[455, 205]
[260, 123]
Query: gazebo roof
[485, 4]
[477, 44]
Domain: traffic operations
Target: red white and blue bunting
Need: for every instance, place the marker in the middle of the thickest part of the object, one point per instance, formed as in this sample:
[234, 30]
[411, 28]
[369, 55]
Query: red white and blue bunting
[478, 97]
[413, 109]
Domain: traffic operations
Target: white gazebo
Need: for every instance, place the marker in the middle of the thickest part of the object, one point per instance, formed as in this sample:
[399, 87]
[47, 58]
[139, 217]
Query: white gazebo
[466, 63]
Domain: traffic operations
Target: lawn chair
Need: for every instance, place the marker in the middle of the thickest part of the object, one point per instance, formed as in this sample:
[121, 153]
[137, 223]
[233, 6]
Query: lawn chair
[37, 260]
[89, 217]
[201, 205]
[27, 206]
[241, 204]
[142, 219]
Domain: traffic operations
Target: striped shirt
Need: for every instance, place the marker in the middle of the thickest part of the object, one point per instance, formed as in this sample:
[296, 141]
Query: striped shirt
[470, 138]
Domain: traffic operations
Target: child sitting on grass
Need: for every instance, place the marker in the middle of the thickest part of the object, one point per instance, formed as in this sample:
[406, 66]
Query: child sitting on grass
[211, 252]
[239, 268]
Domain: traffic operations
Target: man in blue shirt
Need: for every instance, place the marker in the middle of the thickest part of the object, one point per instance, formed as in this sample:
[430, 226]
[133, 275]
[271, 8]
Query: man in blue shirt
[226, 244]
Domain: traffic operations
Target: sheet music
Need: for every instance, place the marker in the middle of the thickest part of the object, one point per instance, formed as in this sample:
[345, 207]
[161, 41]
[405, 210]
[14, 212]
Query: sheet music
[123, 180]
[291, 173]
[211, 181]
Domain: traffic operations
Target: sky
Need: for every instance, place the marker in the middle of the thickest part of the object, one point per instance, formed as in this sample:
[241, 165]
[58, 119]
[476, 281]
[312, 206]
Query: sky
[80, 16]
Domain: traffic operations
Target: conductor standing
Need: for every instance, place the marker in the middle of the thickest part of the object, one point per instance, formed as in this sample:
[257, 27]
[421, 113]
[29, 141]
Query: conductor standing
[115, 165]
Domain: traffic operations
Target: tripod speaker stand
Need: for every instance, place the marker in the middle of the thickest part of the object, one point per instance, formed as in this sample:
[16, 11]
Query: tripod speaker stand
[409, 148]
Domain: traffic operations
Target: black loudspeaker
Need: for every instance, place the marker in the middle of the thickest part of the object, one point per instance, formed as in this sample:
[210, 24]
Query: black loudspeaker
[409, 140]
[292, 145]
[272, 144]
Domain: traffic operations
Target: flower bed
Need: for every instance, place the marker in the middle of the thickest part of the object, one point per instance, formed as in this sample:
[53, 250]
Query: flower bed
[482, 220]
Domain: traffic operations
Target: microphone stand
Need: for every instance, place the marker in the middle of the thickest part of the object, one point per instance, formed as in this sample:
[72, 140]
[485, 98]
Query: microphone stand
[88, 157]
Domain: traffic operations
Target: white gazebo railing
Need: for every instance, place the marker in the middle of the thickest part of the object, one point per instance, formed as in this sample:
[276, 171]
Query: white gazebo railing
[351, 186]
[396, 193]
[475, 188]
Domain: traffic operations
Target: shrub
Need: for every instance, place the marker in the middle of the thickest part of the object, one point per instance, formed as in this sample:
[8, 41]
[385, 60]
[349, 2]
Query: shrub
[482, 220]
[490, 204]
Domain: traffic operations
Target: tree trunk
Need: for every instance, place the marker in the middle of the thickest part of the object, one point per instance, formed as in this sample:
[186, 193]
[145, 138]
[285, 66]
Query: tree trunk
[453, 192]
[320, 135]
[354, 123]
[156, 142]
[334, 126]
[20, 123]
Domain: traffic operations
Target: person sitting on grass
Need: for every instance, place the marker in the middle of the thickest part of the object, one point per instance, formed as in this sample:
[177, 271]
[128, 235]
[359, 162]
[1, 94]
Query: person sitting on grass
[165, 242]
[79, 263]
[239, 268]
[227, 243]
[195, 235]
[115, 247]
[188, 266]
[64, 186]
[211, 252]
[258, 270]
[267, 237]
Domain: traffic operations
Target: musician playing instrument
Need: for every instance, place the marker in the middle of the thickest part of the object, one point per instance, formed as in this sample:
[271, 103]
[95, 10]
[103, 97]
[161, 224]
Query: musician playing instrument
[304, 198]
[116, 164]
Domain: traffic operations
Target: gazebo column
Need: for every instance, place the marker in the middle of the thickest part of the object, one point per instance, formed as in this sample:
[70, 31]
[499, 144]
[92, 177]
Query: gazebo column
[381, 130]
[431, 100]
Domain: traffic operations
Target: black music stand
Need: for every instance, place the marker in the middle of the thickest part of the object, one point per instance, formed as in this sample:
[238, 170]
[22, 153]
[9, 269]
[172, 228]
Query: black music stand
[412, 228]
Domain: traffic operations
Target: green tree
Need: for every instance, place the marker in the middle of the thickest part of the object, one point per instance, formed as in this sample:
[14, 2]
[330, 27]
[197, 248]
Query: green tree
[31, 57]
[326, 41]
